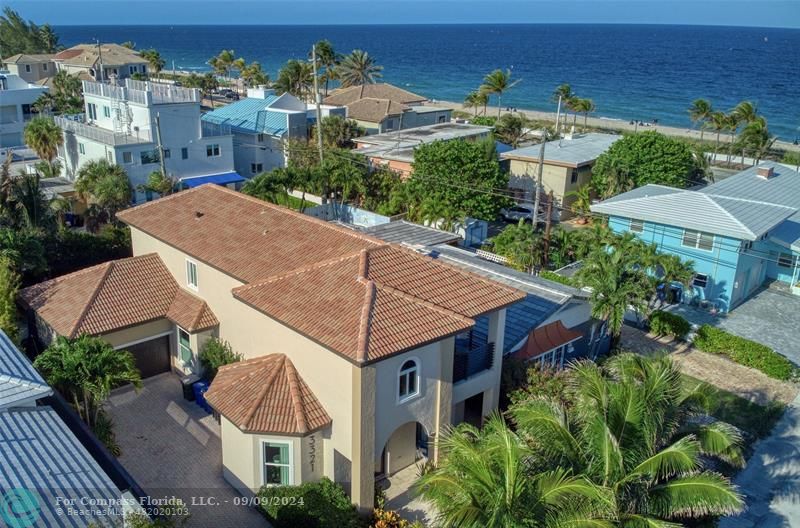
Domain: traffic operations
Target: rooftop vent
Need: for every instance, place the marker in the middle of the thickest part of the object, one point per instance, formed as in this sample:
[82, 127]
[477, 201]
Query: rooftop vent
[766, 172]
[198, 214]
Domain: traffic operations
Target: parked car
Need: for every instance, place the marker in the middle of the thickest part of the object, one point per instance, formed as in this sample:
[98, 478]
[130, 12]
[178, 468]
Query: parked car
[517, 213]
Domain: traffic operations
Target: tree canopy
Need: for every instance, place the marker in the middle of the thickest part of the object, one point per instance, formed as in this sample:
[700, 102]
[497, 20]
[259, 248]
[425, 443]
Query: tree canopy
[454, 179]
[642, 158]
[18, 35]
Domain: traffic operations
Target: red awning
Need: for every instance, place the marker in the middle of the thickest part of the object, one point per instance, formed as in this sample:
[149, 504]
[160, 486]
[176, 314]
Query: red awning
[546, 338]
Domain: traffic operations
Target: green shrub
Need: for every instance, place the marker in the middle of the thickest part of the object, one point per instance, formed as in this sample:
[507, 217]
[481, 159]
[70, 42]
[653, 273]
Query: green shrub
[669, 324]
[216, 353]
[555, 277]
[322, 504]
[745, 352]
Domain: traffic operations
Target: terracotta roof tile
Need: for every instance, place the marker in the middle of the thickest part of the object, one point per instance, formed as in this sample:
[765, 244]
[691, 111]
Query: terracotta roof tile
[374, 110]
[546, 338]
[116, 295]
[347, 96]
[266, 395]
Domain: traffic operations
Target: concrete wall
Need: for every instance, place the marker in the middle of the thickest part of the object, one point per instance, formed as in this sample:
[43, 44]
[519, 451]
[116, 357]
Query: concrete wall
[39, 70]
[12, 116]
[249, 150]
[254, 334]
[140, 333]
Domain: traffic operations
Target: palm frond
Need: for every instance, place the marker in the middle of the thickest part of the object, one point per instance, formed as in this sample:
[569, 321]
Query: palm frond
[695, 495]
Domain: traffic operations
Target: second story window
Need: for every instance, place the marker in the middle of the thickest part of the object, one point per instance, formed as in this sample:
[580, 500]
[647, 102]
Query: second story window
[184, 153]
[149, 156]
[106, 111]
[697, 240]
[408, 381]
[191, 274]
[91, 109]
[127, 157]
[27, 68]
[81, 148]
[167, 154]
[212, 151]
[256, 168]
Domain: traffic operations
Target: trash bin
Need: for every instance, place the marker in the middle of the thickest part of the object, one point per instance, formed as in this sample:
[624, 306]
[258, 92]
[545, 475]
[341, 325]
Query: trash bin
[186, 383]
[200, 388]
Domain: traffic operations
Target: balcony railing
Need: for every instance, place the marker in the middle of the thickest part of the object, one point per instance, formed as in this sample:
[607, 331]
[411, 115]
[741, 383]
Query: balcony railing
[101, 135]
[469, 362]
[143, 92]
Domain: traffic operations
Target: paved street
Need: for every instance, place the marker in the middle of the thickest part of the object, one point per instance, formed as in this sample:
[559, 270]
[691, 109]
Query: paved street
[769, 317]
[172, 448]
[771, 480]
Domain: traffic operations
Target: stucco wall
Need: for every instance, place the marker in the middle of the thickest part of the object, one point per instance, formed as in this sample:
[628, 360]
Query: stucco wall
[254, 334]
[139, 333]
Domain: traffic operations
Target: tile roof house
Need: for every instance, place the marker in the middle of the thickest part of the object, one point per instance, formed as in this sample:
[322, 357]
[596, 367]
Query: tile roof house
[382, 107]
[350, 343]
[101, 62]
[32, 68]
[740, 232]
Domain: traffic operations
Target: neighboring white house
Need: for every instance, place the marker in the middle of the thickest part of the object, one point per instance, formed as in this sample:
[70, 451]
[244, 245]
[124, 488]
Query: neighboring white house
[31, 67]
[260, 124]
[119, 124]
[16, 98]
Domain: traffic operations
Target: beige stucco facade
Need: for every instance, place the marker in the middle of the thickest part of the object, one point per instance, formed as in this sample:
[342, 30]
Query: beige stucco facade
[361, 400]
[560, 179]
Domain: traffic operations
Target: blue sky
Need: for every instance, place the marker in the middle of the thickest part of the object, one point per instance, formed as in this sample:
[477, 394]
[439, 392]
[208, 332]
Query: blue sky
[764, 13]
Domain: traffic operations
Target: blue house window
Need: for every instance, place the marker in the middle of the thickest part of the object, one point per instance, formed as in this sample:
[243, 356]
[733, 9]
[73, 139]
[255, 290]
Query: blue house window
[697, 240]
[700, 280]
[637, 226]
[785, 260]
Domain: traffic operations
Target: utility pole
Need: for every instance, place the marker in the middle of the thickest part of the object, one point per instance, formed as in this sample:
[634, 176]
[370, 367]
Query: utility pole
[547, 225]
[100, 59]
[160, 146]
[538, 184]
[558, 114]
[317, 101]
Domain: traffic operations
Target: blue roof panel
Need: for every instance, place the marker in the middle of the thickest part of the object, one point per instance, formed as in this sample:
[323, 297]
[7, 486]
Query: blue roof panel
[220, 179]
[250, 116]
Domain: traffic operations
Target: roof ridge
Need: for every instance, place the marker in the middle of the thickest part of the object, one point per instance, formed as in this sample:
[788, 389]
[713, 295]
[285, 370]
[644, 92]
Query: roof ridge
[259, 400]
[297, 271]
[362, 351]
[422, 302]
[727, 213]
[736, 198]
[109, 266]
[296, 393]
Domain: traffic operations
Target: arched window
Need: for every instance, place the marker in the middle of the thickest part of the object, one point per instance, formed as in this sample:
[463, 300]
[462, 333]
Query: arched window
[408, 380]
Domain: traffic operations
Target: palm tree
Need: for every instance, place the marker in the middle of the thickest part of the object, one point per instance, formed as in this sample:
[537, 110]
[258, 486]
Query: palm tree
[486, 479]
[85, 370]
[154, 60]
[328, 59]
[32, 204]
[44, 136]
[562, 93]
[475, 100]
[296, 78]
[223, 63]
[49, 39]
[717, 122]
[512, 129]
[746, 112]
[631, 430]
[756, 138]
[498, 82]
[584, 106]
[583, 201]
[253, 75]
[339, 132]
[105, 184]
[358, 68]
[700, 112]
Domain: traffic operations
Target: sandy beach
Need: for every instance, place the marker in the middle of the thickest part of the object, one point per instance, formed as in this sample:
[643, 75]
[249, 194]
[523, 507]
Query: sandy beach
[610, 124]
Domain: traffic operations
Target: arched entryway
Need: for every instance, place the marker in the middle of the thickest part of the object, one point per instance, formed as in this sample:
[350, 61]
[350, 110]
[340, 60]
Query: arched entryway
[407, 445]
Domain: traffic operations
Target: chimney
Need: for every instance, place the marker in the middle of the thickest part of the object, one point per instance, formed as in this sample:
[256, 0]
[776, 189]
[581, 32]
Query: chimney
[766, 172]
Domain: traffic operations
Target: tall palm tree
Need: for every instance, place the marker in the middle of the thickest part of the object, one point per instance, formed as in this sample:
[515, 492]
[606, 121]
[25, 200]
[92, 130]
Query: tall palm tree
[746, 112]
[498, 82]
[296, 78]
[223, 63]
[583, 201]
[585, 107]
[717, 122]
[328, 59]
[358, 68]
[631, 430]
[154, 60]
[253, 75]
[562, 93]
[32, 204]
[43, 136]
[756, 138]
[105, 184]
[512, 129]
[700, 112]
[476, 100]
[486, 479]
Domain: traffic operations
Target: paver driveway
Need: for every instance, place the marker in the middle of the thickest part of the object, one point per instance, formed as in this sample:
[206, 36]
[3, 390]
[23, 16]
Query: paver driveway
[172, 448]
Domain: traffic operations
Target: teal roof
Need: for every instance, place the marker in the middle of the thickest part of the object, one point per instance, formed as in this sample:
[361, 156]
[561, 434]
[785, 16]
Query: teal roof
[250, 116]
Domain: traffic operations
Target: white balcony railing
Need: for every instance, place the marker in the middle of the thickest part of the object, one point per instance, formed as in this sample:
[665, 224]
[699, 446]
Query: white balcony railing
[143, 92]
[101, 135]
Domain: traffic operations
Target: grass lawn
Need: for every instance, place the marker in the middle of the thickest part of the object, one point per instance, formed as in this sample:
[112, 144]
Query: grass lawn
[754, 419]
[295, 203]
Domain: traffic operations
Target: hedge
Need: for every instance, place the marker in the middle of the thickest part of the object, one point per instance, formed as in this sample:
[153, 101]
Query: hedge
[322, 504]
[555, 277]
[745, 352]
[668, 324]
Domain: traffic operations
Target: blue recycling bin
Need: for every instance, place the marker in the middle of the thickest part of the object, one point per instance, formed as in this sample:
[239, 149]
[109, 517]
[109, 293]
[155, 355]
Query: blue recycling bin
[200, 388]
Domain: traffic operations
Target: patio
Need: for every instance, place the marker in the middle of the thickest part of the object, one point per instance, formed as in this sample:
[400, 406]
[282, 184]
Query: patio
[399, 496]
[770, 317]
[172, 448]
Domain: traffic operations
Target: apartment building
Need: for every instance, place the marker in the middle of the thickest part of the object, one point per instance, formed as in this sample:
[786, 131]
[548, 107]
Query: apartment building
[16, 101]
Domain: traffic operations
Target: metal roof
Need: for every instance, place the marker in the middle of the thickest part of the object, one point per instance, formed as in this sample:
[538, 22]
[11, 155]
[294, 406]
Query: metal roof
[580, 150]
[403, 232]
[412, 137]
[251, 116]
[223, 178]
[19, 381]
[543, 299]
[743, 219]
[783, 188]
[44, 462]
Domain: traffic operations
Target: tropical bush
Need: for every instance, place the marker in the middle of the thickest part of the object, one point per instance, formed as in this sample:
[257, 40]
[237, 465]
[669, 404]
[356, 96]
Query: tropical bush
[668, 324]
[322, 504]
[555, 277]
[216, 353]
[9, 285]
[388, 519]
[745, 352]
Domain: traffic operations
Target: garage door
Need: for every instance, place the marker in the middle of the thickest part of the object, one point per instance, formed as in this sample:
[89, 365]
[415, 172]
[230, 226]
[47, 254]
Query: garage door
[152, 357]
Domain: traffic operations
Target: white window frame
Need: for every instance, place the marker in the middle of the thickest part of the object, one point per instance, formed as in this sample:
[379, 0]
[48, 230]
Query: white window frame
[289, 444]
[106, 111]
[698, 236]
[180, 347]
[81, 148]
[194, 286]
[256, 168]
[705, 279]
[404, 373]
[213, 147]
[786, 260]
[638, 223]
[91, 110]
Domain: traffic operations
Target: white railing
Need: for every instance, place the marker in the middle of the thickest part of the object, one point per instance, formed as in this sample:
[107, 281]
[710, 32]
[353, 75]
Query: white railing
[101, 135]
[142, 92]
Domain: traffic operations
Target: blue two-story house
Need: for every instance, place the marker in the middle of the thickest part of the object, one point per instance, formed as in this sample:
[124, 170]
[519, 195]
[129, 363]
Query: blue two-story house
[740, 232]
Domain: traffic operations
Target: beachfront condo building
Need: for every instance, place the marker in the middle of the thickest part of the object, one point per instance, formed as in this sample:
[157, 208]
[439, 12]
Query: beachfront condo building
[567, 166]
[741, 233]
[122, 124]
[382, 107]
[16, 101]
[357, 353]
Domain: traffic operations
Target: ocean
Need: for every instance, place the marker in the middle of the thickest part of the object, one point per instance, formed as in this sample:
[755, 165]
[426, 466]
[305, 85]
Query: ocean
[630, 71]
